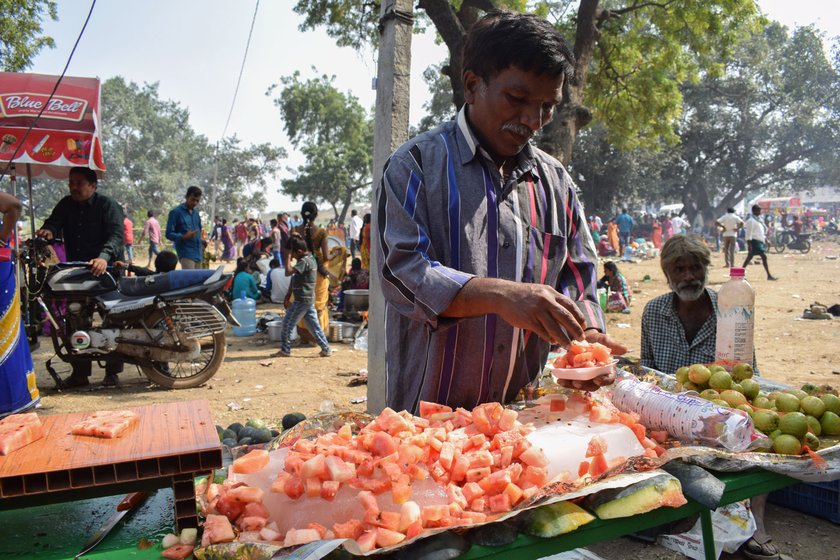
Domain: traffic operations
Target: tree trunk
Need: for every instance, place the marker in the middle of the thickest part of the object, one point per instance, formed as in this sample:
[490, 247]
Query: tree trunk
[559, 135]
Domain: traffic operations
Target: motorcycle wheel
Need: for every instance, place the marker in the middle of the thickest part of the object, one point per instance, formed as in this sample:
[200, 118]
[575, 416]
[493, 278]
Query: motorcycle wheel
[192, 373]
[805, 247]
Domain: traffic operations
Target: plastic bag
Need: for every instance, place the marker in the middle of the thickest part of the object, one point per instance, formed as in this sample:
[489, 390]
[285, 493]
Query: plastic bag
[733, 526]
[361, 343]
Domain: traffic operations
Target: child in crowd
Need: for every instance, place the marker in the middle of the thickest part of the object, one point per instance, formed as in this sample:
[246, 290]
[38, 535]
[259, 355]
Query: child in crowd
[166, 261]
[303, 275]
[276, 283]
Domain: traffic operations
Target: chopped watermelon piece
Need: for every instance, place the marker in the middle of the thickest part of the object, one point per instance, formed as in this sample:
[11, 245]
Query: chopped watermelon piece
[597, 445]
[252, 462]
[178, 551]
[350, 529]
[388, 537]
[428, 408]
[300, 536]
[367, 541]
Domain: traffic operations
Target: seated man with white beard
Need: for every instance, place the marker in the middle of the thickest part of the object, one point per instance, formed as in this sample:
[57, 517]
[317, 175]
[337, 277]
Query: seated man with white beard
[679, 329]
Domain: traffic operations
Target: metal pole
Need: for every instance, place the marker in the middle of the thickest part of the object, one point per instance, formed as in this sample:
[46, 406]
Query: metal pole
[31, 204]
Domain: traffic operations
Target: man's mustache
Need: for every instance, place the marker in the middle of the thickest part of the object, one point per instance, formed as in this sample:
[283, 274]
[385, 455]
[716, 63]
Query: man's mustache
[519, 129]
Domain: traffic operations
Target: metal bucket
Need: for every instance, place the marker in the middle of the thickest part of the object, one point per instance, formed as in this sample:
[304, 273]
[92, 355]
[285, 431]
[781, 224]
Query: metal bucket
[274, 328]
[355, 300]
[339, 331]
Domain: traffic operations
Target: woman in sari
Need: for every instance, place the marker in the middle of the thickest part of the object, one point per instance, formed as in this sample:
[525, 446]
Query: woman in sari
[316, 241]
[656, 234]
[364, 242]
[227, 242]
[612, 234]
[18, 391]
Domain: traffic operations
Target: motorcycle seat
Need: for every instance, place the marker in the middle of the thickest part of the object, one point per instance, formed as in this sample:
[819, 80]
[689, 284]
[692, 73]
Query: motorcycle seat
[164, 282]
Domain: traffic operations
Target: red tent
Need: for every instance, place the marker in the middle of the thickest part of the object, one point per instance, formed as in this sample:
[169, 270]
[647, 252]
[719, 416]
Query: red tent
[67, 133]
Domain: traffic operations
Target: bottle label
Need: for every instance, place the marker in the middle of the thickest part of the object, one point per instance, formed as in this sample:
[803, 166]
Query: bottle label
[735, 335]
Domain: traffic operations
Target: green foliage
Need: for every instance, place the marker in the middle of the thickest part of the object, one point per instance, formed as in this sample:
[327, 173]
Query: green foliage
[352, 23]
[21, 31]
[643, 56]
[438, 106]
[334, 133]
[769, 123]
[151, 152]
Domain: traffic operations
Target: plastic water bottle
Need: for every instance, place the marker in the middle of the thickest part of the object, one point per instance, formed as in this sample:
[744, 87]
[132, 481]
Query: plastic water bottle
[245, 311]
[735, 319]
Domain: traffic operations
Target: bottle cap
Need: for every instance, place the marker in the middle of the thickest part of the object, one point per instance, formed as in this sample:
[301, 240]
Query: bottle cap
[737, 272]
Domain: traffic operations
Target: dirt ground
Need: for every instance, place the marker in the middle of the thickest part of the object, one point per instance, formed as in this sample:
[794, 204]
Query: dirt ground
[251, 385]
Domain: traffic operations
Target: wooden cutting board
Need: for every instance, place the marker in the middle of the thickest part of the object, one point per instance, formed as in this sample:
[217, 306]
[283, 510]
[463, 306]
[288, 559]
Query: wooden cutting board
[170, 439]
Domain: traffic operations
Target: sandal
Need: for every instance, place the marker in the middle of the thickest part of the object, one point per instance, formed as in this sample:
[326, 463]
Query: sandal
[755, 550]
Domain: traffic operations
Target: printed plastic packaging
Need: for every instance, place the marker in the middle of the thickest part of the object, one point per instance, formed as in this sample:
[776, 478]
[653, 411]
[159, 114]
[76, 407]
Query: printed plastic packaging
[685, 416]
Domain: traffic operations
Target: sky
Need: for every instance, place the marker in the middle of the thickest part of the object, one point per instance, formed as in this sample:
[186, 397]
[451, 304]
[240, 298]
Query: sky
[194, 50]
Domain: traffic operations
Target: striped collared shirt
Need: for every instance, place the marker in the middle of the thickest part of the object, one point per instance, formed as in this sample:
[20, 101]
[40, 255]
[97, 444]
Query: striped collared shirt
[444, 216]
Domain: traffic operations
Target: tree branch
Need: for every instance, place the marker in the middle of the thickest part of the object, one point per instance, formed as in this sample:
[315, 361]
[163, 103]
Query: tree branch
[638, 6]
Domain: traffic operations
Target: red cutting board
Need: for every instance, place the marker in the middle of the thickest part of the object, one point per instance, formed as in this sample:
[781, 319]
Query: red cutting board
[170, 438]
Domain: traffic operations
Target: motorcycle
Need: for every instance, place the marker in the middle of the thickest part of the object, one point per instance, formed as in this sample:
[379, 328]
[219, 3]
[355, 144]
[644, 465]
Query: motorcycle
[171, 325]
[787, 239]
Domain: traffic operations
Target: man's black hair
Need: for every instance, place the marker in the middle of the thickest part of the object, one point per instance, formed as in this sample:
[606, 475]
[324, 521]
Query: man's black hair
[150, 214]
[273, 222]
[756, 207]
[502, 39]
[166, 261]
[354, 212]
[611, 266]
[274, 263]
[86, 172]
[193, 191]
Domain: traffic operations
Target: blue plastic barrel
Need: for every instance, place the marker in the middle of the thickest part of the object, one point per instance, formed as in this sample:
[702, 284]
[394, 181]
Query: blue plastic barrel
[245, 311]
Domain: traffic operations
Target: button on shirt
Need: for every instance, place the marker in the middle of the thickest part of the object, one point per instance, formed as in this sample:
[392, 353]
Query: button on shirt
[180, 221]
[91, 229]
[444, 216]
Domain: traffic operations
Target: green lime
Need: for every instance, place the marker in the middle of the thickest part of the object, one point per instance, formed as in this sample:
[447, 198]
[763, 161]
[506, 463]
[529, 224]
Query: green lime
[787, 445]
[741, 372]
[794, 423]
[830, 423]
[720, 380]
[786, 402]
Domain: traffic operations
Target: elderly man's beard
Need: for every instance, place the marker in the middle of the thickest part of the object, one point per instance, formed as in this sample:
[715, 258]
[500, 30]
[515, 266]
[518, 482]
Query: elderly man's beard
[689, 291]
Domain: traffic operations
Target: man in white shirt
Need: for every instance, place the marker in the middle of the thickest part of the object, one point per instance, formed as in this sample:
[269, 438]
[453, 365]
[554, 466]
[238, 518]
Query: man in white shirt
[755, 235]
[277, 283]
[729, 225]
[356, 225]
[677, 224]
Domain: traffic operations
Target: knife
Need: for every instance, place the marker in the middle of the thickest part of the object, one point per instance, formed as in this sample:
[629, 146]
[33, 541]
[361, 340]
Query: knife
[126, 505]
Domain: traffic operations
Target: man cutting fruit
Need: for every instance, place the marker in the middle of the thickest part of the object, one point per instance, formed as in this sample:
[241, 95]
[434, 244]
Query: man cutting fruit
[485, 256]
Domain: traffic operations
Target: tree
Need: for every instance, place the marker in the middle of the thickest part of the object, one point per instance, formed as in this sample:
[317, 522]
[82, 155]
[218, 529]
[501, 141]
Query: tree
[243, 177]
[632, 55]
[609, 177]
[335, 134]
[151, 152]
[770, 122]
[21, 31]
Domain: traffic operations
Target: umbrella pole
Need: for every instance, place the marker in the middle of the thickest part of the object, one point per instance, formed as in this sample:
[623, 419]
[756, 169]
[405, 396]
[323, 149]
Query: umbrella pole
[31, 205]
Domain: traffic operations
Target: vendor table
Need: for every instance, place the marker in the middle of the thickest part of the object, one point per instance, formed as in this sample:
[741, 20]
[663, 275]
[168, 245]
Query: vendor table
[58, 531]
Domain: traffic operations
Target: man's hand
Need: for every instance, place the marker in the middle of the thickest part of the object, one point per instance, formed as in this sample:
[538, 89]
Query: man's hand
[45, 233]
[593, 384]
[98, 266]
[539, 308]
[190, 234]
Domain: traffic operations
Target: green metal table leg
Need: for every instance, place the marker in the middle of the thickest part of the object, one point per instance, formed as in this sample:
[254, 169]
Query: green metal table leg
[708, 535]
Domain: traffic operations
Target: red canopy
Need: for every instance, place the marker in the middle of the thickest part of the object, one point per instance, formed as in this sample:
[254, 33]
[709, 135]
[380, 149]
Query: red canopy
[780, 202]
[67, 133]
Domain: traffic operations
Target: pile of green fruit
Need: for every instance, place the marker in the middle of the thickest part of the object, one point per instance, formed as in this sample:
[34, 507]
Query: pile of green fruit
[791, 419]
[253, 431]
